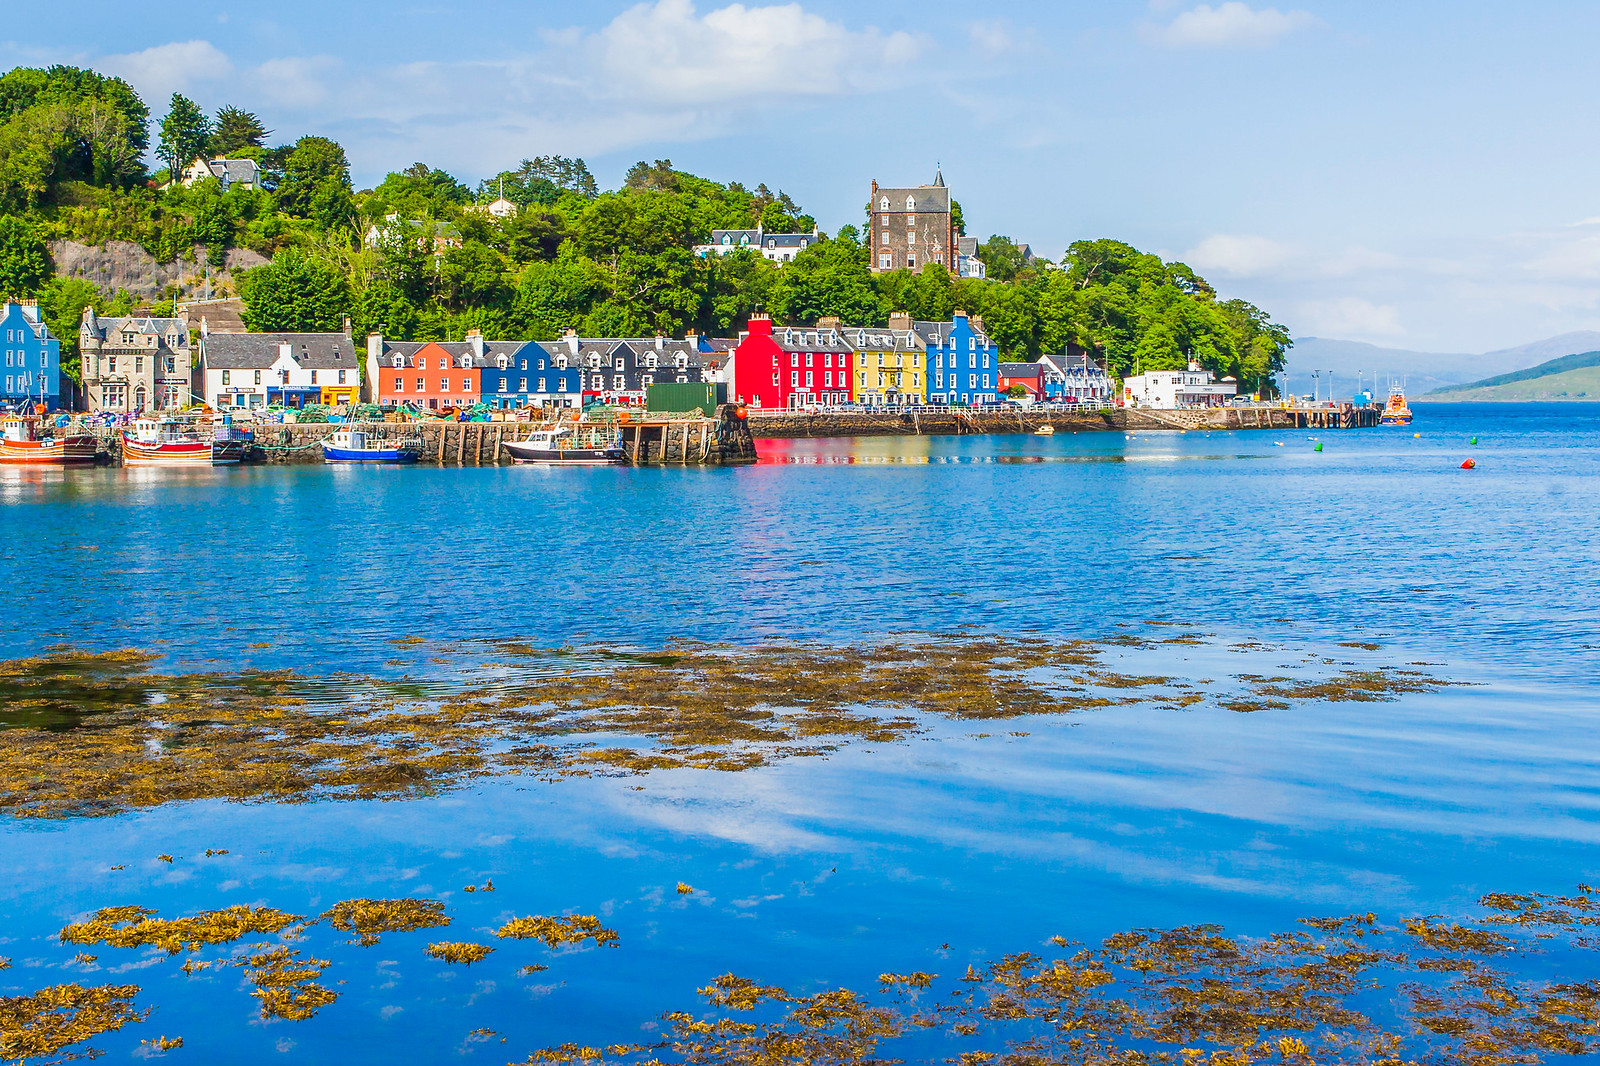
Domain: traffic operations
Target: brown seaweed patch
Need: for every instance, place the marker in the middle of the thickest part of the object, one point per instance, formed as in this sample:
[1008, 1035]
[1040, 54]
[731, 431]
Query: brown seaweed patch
[286, 984]
[369, 919]
[61, 1016]
[464, 953]
[163, 1044]
[558, 932]
[132, 927]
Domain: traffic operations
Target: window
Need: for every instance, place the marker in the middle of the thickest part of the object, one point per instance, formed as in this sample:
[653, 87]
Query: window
[911, 203]
[880, 358]
[774, 377]
[313, 377]
[886, 240]
[466, 384]
[10, 386]
[811, 359]
[399, 384]
[794, 379]
[127, 339]
[911, 238]
[648, 379]
[986, 381]
[504, 385]
[444, 384]
[44, 360]
[972, 381]
[258, 378]
[599, 382]
[911, 260]
[341, 377]
[138, 364]
[226, 378]
[420, 387]
[811, 378]
[794, 358]
[502, 362]
[399, 361]
[885, 262]
[883, 204]
[172, 365]
[618, 383]
[827, 380]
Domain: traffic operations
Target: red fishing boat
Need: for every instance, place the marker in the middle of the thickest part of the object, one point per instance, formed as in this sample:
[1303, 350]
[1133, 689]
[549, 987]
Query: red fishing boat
[169, 442]
[24, 441]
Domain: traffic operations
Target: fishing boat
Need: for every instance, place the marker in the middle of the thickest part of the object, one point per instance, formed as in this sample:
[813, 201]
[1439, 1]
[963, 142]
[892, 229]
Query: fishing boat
[356, 446]
[574, 444]
[25, 441]
[1046, 430]
[1396, 413]
[172, 442]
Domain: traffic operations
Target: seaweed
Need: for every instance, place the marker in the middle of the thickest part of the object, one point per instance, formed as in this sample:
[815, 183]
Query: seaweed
[369, 919]
[464, 953]
[61, 1016]
[559, 932]
[286, 984]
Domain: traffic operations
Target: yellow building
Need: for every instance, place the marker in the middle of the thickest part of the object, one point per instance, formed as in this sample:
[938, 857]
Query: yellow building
[891, 366]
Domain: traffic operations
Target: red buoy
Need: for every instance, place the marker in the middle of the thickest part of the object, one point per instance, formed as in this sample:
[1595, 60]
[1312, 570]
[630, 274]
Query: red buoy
[1470, 464]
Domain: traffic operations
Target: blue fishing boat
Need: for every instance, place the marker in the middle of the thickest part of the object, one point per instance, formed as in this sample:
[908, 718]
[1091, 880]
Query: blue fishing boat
[355, 446]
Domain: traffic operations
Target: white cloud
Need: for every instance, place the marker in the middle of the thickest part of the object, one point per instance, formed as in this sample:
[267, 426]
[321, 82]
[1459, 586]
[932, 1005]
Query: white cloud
[1229, 25]
[1237, 256]
[299, 81]
[995, 37]
[159, 72]
[670, 53]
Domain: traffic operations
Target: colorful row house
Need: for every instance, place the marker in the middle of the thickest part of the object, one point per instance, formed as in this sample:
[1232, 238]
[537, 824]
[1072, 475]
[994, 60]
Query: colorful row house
[890, 364]
[245, 371]
[529, 374]
[426, 375]
[791, 367]
[963, 360]
[33, 358]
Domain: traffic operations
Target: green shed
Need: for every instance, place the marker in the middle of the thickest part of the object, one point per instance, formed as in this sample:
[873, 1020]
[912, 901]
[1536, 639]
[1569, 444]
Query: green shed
[685, 396]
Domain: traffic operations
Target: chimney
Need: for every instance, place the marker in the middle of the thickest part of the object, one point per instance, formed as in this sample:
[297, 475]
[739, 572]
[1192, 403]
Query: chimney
[475, 339]
[977, 323]
[900, 320]
[760, 326]
[661, 342]
[958, 314]
[347, 325]
[571, 337]
[30, 310]
[285, 351]
[374, 346]
[829, 322]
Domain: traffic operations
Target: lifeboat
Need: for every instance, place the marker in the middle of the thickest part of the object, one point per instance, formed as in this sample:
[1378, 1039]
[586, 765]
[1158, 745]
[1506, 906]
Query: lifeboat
[25, 442]
[1396, 412]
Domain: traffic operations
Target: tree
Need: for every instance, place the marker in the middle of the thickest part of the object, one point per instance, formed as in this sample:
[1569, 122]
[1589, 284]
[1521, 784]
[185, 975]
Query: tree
[236, 130]
[61, 303]
[542, 180]
[24, 260]
[24, 87]
[316, 183]
[1017, 391]
[294, 294]
[185, 132]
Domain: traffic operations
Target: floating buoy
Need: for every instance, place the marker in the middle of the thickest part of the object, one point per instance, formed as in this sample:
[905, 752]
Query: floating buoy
[1470, 464]
[1416, 434]
[1277, 444]
[1474, 440]
[1318, 448]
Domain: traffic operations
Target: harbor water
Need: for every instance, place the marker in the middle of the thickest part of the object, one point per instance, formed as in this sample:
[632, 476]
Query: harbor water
[958, 844]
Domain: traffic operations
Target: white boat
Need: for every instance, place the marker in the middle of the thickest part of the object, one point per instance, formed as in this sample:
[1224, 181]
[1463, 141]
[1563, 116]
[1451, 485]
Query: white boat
[1045, 430]
[170, 442]
[569, 444]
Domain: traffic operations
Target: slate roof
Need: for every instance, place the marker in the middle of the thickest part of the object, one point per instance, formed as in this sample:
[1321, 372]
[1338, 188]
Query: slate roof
[929, 199]
[104, 328]
[1021, 370]
[797, 339]
[879, 339]
[258, 351]
[235, 170]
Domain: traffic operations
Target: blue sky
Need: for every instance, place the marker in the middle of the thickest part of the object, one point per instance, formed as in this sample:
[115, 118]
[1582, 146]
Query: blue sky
[1421, 175]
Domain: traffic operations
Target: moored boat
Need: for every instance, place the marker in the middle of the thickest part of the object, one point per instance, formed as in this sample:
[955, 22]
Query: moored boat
[1046, 430]
[569, 444]
[23, 441]
[1396, 412]
[170, 442]
[355, 446]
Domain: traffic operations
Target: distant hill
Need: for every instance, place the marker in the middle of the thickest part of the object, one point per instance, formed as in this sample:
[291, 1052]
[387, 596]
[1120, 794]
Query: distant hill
[1419, 371]
[1571, 377]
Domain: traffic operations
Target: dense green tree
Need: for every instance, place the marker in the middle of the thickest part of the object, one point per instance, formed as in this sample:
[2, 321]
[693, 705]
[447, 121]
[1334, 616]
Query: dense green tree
[236, 130]
[185, 132]
[383, 308]
[61, 303]
[23, 88]
[316, 183]
[294, 293]
[542, 181]
[24, 260]
[830, 278]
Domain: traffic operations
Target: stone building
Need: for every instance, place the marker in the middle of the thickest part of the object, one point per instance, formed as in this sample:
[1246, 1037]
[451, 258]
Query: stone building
[135, 364]
[910, 228]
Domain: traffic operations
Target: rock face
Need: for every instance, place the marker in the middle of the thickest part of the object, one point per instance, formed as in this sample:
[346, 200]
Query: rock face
[125, 265]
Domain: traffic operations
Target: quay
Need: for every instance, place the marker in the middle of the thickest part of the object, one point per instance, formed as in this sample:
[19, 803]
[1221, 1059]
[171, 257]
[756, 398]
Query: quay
[647, 439]
[957, 421]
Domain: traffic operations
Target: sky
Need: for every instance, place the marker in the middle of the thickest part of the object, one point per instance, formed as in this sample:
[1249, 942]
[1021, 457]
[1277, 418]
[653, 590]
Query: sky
[1419, 175]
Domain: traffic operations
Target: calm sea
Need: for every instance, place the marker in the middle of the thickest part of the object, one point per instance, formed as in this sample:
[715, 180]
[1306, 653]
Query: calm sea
[820, 872]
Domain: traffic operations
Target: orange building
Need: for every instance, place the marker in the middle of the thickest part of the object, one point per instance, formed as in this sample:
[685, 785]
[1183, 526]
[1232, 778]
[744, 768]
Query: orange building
[436, 375]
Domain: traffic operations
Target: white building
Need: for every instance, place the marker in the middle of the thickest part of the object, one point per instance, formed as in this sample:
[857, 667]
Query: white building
[777, 247]
[244, 371]
[245, 173]
[1168, 390]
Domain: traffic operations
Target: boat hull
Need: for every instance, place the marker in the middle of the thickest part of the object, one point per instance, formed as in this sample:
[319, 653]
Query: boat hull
[387, 456]
[182, 453]
[1394, 420]
[522, 452]
[61, 451]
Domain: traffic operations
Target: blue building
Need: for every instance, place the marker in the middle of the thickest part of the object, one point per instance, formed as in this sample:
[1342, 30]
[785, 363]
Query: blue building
[963, 361]
[33, 358]
[522, 374]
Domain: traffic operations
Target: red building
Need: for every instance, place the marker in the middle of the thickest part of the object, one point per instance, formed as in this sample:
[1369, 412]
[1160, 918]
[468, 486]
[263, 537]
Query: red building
[1030, 375]
[433, 374]
[791, 367]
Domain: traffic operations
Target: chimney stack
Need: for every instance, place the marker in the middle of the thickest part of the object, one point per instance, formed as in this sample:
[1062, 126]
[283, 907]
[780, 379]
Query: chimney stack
[475, 340]
[900, 320]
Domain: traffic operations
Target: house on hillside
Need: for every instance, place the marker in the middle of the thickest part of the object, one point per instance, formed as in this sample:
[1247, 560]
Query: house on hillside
[911, 228]
[438, 237]
[246, 371]
[777, 247]
[33, 357]
[136, 363]
[230, 173]
[791, 367]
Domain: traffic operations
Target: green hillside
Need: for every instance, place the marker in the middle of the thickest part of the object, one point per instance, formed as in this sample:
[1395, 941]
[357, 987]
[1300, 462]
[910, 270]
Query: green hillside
[1572, 377]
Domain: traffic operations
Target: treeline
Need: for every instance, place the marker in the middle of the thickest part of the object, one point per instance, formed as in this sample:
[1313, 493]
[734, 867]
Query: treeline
[412, 259]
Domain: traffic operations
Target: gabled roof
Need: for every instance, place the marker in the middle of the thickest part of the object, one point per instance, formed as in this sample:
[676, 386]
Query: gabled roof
[1021, 370]
[928, 198]
[236, 169]
[104, 328]
[258, 351]
[798, 339]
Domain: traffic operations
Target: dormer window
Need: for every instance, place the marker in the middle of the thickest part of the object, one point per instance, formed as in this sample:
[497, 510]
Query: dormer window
[911, 203]
[502, 362]
[727, 238]
[399, 362]
[883, 204]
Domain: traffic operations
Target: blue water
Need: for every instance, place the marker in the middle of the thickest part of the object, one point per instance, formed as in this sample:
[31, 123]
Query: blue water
[818, 872]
